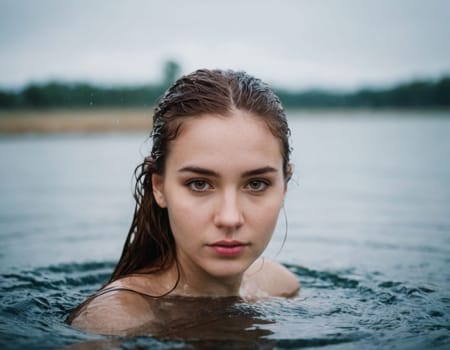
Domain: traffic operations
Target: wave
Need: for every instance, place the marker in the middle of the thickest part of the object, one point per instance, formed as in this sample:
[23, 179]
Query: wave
[334, 307]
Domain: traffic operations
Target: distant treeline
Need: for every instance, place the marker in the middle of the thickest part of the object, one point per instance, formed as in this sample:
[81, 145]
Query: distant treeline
[84, 95]
[415, 94]
[79, 95]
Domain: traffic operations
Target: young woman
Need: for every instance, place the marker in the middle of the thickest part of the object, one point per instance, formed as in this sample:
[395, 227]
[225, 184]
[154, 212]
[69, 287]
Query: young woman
[207, 202]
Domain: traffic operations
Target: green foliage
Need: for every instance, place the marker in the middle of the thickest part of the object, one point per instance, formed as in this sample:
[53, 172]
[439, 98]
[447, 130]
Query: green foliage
[415, 94]
[56, 94]
[8, 99]
[171, 72]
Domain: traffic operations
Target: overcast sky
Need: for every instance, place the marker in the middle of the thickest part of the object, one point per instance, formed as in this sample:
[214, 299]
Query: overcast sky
[299, 44]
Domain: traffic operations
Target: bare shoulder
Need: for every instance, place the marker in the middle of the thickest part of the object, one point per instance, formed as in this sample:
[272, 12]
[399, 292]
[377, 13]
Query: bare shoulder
[266, 277]
[116, 312]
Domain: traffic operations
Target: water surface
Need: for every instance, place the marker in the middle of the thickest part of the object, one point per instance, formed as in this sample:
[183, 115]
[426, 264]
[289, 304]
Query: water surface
[368, 235]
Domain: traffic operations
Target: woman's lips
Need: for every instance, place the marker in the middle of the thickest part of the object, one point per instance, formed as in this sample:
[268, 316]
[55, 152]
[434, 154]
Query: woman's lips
[228, 248]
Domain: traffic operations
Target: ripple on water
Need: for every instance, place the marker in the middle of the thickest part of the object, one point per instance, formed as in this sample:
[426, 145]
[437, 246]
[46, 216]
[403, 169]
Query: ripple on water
[334, 310]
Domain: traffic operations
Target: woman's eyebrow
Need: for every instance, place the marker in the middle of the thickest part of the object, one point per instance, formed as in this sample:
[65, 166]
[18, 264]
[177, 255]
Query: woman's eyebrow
[198, 170]
[209, 172]
[260, 171]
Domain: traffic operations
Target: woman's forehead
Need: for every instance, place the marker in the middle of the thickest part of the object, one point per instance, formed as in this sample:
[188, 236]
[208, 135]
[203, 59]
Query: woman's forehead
[236, 138]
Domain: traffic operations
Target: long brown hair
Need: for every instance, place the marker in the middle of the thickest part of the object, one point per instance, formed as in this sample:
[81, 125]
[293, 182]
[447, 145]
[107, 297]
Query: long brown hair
[150, 242]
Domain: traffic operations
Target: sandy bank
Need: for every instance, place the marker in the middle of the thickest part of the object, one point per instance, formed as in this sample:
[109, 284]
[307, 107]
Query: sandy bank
[76, 120]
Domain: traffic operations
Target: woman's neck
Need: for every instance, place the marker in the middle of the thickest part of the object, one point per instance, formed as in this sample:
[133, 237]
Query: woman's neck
[195, 282]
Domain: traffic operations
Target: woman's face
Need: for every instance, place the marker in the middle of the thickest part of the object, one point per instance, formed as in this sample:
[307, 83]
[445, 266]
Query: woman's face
[223, 187]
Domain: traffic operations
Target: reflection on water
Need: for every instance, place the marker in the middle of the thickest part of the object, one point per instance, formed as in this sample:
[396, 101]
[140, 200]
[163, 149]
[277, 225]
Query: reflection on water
[334, 308]
[368, 237]
[206, 319]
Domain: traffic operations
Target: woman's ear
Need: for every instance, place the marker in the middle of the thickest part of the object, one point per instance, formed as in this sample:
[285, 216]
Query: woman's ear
[289, 171]
[158, 190]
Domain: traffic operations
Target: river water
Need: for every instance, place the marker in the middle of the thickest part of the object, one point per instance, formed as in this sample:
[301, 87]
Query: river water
[368, 235]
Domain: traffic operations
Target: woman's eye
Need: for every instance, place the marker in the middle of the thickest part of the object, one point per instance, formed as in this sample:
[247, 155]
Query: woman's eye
[257, 185]
[199, 185]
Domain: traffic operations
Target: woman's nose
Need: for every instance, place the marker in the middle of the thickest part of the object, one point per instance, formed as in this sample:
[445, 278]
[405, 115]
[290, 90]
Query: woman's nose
[228, 213]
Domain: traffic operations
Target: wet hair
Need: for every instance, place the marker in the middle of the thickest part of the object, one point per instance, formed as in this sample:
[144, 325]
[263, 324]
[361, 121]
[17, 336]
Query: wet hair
[150, 244]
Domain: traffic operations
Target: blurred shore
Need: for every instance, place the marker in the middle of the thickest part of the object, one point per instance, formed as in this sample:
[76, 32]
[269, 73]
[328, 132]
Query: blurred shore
[113, 119]
[75, 120]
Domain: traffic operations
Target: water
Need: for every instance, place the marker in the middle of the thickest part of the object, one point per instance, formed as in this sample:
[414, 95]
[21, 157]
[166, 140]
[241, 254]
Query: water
[368, 236]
